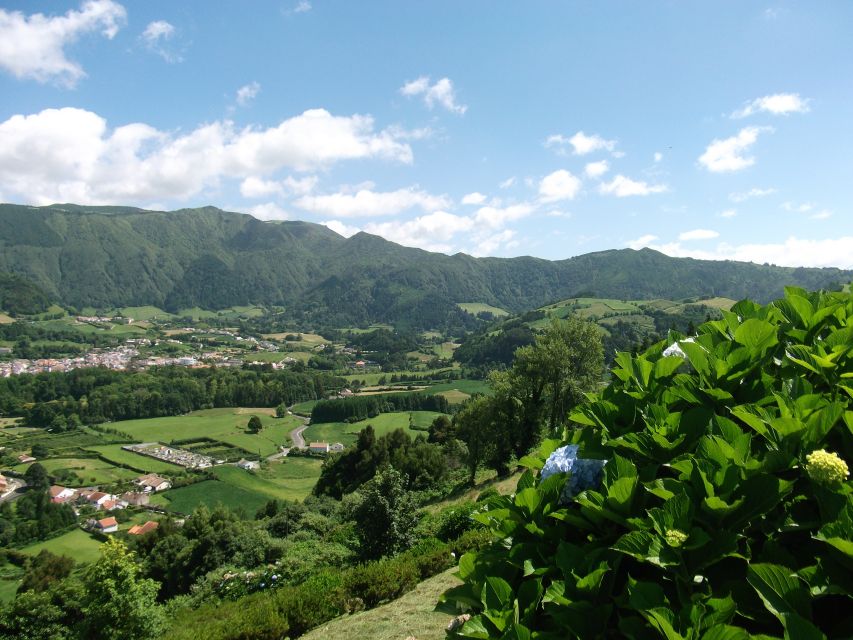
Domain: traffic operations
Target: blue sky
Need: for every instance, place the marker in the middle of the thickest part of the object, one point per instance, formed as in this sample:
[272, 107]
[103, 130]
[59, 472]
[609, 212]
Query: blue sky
[717, 130]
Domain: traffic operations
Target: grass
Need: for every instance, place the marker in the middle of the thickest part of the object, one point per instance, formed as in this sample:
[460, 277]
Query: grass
[76, 544]
[88, 470]
[410, 615]
[285, 479]
[469, 387]
[304, 408]
[224, 425]
[145, 313]
[276, 356]
[8, 587]
[5, 318]
[213, 493]
[445, 350]
[114, 453]
[478, 307]
[346, 432]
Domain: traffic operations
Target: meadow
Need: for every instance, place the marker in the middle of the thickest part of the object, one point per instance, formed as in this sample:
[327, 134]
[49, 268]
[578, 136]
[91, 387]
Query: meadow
[284, 479]
[346, 432]
[224, 425]
[212, 493]
[77, 544]
[479, 307]
[89, 471]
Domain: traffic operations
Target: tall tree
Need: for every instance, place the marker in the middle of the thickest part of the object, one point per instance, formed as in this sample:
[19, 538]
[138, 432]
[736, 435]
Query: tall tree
[386, 516]
[118, 603]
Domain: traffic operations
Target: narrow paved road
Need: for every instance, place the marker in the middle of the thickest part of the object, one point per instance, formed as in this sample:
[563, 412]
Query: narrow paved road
[296, 435]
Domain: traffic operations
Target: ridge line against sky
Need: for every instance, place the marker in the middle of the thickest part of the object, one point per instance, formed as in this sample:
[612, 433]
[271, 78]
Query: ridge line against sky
[550, 130]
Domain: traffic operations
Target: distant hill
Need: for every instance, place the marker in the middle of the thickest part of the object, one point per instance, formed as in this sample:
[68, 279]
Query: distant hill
[122, 256]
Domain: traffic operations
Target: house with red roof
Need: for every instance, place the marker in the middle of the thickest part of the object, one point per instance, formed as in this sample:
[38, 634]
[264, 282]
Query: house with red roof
[107, 525]
[142, 529]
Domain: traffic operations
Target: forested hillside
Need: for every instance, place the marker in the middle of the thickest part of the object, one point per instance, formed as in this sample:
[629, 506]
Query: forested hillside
[121, 256]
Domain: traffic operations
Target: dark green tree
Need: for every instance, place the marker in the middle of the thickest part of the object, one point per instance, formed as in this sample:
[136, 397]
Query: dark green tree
[386, 517]
[255, 424]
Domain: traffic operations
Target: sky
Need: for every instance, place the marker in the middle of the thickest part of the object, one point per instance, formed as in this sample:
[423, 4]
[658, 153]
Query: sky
[717, 130]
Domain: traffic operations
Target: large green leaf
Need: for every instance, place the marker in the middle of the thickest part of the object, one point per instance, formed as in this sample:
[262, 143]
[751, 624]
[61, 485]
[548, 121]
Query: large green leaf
[780, 590]
[756, 335]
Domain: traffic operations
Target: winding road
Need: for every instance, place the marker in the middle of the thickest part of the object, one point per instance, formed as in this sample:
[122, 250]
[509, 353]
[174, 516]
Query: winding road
[297, 441]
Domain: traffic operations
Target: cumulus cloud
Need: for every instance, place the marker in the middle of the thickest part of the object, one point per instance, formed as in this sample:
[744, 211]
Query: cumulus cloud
[506, 184]
[268, 211]
[792, 252]
[755, 192]
[596, 169]
[581, 143]
[70, 155]
[491, 244]
[474, 198]
[440, 93]
[728, 213]
[340, 228]
[303, 6]
[658, 156]
[34, 46]
[247, 93]
[157, 37]
[778, 104]
[497, 217]
[256, 187]
[366, 202]
[698, 234]
[728, 154]
[433, 232]
[622, 187]
[642, 241]
[559, 185]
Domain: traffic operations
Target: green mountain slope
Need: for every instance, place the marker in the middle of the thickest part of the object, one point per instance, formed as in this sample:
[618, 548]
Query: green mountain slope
[121, 256]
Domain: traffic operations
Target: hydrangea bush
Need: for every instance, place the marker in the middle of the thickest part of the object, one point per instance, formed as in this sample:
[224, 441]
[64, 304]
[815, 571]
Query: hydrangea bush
[703, 495]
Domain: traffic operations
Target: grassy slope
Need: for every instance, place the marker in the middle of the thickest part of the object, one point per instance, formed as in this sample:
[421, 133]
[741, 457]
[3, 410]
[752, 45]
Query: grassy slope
[410, 615]
[383, 423]
[212, 493]
[75, 544]
[478, 307]
[88, 470]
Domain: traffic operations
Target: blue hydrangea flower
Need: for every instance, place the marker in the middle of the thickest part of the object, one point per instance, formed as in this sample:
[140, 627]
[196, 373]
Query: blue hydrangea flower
[585, 474]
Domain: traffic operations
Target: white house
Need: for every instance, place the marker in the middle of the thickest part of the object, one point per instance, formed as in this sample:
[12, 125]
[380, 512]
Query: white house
[62, 494]
[107, 525]
[319, 447]
[152, 482]
[248, 465]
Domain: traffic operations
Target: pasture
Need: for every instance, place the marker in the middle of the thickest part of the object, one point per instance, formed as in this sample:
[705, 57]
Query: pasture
[89, 471]
[384, 423]
[479, 307]
[212, 493]
[283, 479]
[229, 426]
[77, 544]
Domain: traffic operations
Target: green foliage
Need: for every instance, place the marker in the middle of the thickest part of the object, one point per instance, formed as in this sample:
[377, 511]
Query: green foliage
[45, 570]
[118, 603]
[20, 296]
[254, 425]
[376, 582]
[357, 408]
[708, 523]
[385, 518]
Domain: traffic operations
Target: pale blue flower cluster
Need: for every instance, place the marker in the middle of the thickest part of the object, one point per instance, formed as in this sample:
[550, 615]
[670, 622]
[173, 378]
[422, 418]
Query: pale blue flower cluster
[585, 474]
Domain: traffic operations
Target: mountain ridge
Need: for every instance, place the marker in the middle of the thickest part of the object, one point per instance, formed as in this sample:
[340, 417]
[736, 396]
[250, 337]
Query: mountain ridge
[124, 256]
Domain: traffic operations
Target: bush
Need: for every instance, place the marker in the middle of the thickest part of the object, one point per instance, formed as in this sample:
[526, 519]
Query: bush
[455, 521]
[431, 556]
[725, 510]
[318, 599]
[472, 540]
[376, 582]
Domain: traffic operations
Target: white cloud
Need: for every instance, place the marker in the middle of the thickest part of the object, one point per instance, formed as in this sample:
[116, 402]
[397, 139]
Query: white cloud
[596, 169]
[778, 104]
[34, 46]
[727, 154]
[755, 192]
[804, 207]
[793, 252]
[247, 93]
[371, 203]
[642, 241]
[492, 243]
[70, 155]
[559, 185]
[497, 217]
[622, 187]
[824, 214]
[474, 198]
[269, 211]
[728, 213]
[658, 156]
[303, 6]
[255, 187]
[156, 38]
[698, 234]
[441, 93]
[506, 184]
[433, 232]
[581, 143]
[340, 228]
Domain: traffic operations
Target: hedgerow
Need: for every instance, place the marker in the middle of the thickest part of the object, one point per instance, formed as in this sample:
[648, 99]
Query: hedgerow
[723, 510]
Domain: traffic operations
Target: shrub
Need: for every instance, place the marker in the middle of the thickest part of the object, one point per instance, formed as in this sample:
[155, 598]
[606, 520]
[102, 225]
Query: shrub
[318, 599]
[455, 521]
[431, 556]
[724, 511]
[376, 582]
[472, 540]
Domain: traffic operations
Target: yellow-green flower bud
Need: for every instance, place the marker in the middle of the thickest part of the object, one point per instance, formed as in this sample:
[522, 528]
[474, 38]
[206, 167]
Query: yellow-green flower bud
[675, 538]
[826, 468]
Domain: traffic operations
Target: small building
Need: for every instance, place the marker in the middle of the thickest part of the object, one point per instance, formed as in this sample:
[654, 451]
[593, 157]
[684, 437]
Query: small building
[62, 494]
[152, 482]
[136, 498]
[109, 505]
[107, 525]
[142, 529]
[336, 447]
[97, 498]
[248, 465]
[24, 458]
[319, 447]
[4, 483]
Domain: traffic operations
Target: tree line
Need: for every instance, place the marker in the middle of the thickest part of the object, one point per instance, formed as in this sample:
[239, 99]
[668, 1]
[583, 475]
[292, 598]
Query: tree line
[358, 408]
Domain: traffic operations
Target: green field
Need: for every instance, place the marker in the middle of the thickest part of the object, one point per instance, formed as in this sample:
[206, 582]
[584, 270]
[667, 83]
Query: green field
[76, 544]
[372, 379]
[114, 453]
[304, 408]
[212, 493]
[224, 425]
[346, 432]
[276, 356]
[465, 386]
[88, 470]
[284, 479]
[445, 350]
[478, 307]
